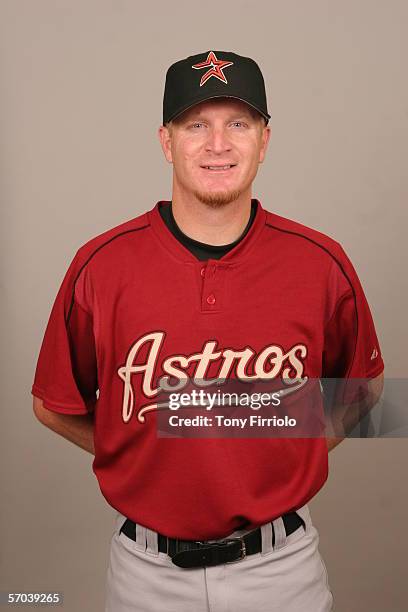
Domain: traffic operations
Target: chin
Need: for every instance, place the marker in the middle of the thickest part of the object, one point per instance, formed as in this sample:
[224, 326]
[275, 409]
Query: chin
[217, 199]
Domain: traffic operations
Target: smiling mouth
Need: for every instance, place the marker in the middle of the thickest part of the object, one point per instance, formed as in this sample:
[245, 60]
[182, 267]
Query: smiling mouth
[219, 168]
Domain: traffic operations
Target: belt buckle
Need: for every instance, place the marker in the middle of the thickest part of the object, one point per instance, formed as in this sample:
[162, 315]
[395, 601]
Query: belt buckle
[186, 558]
[242, 551]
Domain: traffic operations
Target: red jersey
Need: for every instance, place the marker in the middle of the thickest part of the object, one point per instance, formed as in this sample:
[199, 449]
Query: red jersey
[136, 305]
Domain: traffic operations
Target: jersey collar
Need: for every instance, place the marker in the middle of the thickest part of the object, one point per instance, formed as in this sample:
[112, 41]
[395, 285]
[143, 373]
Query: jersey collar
[180, 252]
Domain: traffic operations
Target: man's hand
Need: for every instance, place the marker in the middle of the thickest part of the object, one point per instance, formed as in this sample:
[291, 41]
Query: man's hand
[78, 429]
[345, 418]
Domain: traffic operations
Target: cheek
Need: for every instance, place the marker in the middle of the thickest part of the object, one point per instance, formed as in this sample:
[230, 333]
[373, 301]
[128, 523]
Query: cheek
[187, 157]
[188, 147]
[250, 158]
[248, 150]
[186, 161]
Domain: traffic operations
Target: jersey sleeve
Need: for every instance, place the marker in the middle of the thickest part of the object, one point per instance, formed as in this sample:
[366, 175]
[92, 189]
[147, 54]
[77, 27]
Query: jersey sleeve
[351, 348]
[66, 372]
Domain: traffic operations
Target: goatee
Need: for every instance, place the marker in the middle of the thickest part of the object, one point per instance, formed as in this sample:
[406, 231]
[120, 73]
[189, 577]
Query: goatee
[217, 199]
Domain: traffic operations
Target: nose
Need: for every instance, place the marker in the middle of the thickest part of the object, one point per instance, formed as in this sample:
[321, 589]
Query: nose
[217, 141]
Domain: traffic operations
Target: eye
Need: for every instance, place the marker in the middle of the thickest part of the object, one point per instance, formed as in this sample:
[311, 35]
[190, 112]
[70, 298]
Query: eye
[239, 123]
[196, 124]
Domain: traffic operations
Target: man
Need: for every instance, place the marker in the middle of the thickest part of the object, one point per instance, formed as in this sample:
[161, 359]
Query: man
[207, 288]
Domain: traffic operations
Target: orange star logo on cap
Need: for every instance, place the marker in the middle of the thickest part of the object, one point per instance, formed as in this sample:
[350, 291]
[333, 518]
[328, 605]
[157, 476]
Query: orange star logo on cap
[215, 66]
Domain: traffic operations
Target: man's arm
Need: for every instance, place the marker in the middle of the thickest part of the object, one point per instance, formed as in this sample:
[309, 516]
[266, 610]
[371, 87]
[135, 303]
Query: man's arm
[345, 418]
[78, 429]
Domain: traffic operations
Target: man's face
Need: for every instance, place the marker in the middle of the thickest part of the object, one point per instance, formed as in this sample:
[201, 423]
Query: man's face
[210, 135]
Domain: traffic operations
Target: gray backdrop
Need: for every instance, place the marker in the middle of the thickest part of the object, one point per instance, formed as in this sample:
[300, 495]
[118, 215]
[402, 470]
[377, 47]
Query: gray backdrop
[81, 90]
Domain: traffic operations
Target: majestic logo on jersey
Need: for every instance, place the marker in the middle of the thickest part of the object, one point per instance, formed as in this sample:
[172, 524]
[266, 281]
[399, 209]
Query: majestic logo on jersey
[270, 363]
[215, 66]
[374, 354]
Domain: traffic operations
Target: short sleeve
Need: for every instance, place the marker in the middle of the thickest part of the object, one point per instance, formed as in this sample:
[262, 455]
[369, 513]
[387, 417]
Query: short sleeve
[66, 372]
[351, 347]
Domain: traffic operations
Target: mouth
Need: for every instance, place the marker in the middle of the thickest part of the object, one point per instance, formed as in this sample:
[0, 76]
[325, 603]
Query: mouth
[219, 168]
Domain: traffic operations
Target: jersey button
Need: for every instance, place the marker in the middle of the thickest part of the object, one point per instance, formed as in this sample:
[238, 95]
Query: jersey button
[211, 299]
[202, 271]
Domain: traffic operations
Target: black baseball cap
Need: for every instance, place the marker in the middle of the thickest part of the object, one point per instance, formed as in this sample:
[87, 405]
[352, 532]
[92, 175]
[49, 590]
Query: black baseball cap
[213, 74]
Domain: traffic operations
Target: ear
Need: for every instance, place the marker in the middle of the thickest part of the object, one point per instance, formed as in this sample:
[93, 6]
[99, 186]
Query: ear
[265, 137]
[165, 141]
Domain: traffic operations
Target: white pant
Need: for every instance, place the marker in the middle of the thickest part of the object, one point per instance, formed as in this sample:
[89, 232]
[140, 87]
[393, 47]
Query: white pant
[289, 577]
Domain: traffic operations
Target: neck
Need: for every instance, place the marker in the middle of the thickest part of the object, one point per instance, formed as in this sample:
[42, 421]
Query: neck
[212, 225]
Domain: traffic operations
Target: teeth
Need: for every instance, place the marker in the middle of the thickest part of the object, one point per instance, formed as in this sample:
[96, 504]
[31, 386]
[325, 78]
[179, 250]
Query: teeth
[218, 167]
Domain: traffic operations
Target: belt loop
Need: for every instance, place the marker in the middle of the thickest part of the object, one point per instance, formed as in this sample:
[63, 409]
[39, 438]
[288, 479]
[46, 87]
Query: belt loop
[280, 533]
[304, 513]
[266, 536]
[152, 540]
[140, 543]
[119, 521]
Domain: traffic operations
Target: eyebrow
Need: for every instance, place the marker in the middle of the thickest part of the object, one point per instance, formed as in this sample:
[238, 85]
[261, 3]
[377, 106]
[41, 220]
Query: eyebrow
[235, 117]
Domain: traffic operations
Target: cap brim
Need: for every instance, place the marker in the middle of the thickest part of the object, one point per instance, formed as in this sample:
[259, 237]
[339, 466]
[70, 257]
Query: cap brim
[191, 104]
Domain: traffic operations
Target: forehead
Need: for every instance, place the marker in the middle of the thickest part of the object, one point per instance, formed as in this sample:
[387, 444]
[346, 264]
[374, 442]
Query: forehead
[218, 106]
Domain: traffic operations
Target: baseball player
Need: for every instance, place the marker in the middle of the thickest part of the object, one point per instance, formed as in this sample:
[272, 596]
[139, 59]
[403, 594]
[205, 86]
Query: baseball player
[210, 286]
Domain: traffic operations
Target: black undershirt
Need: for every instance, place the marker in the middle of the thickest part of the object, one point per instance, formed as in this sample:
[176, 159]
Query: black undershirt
[201, 250]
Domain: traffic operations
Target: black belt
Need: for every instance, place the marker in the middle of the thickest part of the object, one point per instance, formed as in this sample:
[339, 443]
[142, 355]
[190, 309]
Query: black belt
[190, 553]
